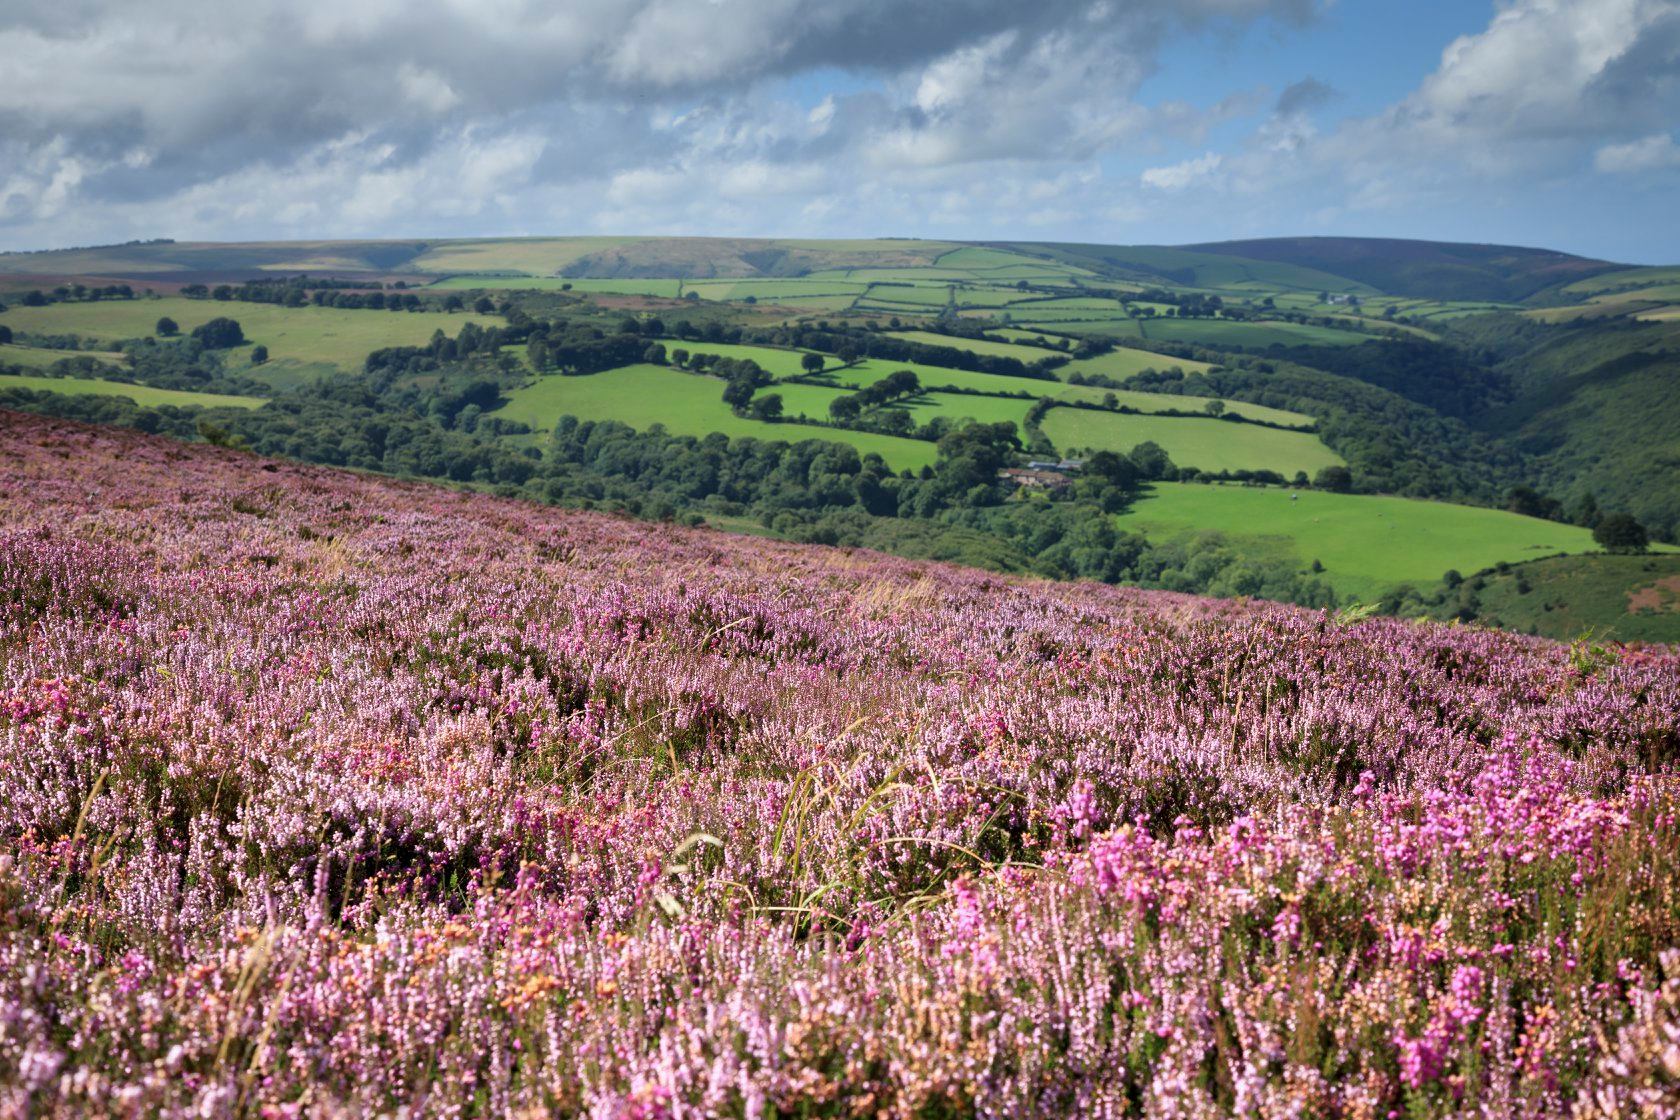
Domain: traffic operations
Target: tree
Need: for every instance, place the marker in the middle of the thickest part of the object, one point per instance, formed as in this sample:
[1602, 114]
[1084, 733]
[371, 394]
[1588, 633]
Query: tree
[844, 408]
[5, 334]
[811, 363]
[454, 303]
[34, 298]
[167, 327]
[767, 407]
[1620, 532]
[220, 333]
[1214, 408]
[259, 355]
[1337, 480]
[654, 355]
[483, 306]
[1151, 460]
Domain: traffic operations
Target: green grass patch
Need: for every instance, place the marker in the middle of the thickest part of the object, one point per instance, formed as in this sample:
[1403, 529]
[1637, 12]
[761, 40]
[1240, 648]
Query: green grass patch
[871, 370]
[1173, 402]
[1027, 354]
[328, 335]
[143, 395]
[1209, 445]
[1123, 362]
[1221, 332]
[539, 256]
[39, 357]
[1366, 543]
[773, 360]
[686, 404]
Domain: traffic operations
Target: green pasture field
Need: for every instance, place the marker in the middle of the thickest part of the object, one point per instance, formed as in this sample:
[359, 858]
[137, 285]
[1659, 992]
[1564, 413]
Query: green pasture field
[1220, 332]
[1209, 445]
[1626, 279]
[538, 256]
[1108, 328]
[1123, 362]
[39, 357]
[501, 283]
[922, 295]
[143, 395]
[799, 399]
[967, 406]
[1022, 334]
[1366, 543]
[778, 363]
[771, 291]
[871, 370]
[328, 335]
[1172, 402]
[686, 404]
[990, 297]
[974, 346]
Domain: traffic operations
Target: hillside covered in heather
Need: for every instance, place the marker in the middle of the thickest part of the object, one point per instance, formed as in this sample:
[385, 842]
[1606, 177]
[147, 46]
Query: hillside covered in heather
[326, 794]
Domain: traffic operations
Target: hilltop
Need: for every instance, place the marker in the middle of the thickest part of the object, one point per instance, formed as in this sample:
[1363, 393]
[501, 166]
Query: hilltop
[1432, 269]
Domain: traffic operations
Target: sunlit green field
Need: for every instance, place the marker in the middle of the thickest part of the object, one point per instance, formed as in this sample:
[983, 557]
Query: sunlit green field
[1209, 445]
[39, 357]
[327, 335]
[773, 360]
[1219, 332]
[1123, 362]
[1367, 544]
[686, 404]
[1172, 402]
[143, 395]
[1028, 354]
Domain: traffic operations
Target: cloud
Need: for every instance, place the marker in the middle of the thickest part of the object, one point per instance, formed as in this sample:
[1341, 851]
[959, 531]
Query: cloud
[1181, 175]
[127, 113]
[1646, 154]
[1304, 96]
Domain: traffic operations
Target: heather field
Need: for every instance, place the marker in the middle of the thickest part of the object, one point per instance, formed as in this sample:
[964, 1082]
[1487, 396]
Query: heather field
[327, 795]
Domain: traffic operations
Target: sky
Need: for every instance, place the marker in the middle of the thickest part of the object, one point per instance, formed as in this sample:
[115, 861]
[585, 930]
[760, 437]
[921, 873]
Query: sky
[1533, 122]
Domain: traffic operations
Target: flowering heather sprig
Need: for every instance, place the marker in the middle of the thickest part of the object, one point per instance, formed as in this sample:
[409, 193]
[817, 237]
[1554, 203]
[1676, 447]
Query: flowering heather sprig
[330, 795]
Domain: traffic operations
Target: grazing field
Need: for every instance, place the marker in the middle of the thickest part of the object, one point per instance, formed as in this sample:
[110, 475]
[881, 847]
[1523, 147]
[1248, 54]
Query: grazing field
[537, 256]
[335, 795]
[1174, 402]
[1209, 445]
[39, 357]
[1219, 332]
[143, 395]
[870, 370]
[773, 360]
[686, 404]
[1103, 328]
[967, 406]
[326, 335]
[1123, 362]
[1366, 543]
[1028, 354]
[1626, 598]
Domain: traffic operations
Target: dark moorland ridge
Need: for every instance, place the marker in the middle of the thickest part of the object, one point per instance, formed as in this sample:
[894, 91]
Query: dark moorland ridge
[1440, 269]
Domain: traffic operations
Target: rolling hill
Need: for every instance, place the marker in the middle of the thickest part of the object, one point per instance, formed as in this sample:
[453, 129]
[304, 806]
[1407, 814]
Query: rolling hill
[1432, 269]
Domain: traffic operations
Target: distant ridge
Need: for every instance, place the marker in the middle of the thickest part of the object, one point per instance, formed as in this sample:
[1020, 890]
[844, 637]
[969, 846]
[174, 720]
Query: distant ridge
[1439, 269]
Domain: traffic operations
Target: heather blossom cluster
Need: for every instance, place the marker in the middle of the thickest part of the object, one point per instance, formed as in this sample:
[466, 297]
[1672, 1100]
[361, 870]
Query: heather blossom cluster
[327, 795]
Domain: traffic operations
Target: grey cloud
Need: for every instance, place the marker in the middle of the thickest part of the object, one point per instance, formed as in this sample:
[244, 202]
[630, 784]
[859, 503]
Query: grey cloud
[108, 102]
[1304, 96]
